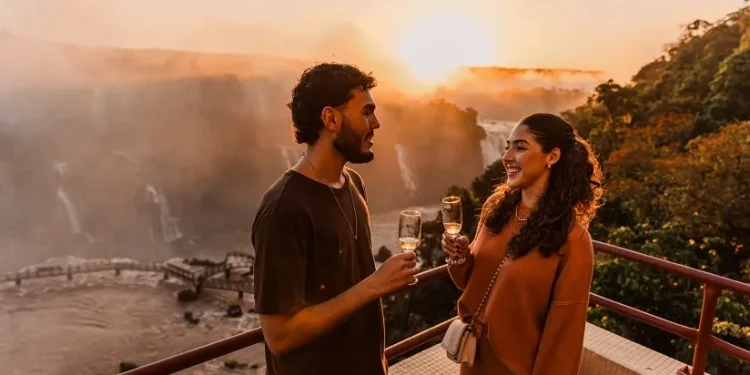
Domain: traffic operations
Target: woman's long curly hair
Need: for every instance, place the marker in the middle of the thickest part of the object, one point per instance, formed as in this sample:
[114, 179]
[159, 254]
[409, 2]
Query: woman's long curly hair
[573, 191]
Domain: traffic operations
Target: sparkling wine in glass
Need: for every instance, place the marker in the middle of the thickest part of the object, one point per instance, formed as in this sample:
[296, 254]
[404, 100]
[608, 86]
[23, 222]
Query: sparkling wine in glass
[452, 215]
[410, 231]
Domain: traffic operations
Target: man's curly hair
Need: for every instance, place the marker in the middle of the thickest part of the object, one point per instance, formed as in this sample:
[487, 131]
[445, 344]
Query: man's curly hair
[325, 84]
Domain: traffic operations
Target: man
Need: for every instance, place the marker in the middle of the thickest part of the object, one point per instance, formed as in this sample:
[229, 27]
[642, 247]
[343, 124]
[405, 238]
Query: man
[316, 287]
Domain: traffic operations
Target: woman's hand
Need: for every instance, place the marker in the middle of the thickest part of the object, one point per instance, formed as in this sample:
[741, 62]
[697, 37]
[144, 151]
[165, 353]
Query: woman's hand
[457, 247]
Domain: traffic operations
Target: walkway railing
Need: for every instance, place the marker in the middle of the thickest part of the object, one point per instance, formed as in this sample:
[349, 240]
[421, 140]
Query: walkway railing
[712, 286]
[702, 336]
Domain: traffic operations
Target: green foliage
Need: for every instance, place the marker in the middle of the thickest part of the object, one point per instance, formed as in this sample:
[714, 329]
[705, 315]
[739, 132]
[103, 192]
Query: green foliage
[730, 89]
[677, 158]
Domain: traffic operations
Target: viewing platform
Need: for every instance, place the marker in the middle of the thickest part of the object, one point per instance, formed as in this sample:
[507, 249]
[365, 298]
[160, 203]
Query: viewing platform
[605, 352]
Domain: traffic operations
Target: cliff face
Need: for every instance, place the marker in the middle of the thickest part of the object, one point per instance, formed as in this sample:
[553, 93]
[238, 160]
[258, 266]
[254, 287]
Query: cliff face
[139, 141]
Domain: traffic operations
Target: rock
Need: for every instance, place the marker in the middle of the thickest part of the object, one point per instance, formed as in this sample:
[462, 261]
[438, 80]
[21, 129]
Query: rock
[127, 366]
[233, 364]
[234, 311]
[189, 317]
[187, 295]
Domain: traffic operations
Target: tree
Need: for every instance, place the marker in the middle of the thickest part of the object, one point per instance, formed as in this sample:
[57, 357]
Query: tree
[678, 185]
[730, 90]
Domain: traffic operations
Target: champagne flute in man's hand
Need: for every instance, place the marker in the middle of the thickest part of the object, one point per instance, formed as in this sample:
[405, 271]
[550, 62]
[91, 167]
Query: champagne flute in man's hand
[409, 231]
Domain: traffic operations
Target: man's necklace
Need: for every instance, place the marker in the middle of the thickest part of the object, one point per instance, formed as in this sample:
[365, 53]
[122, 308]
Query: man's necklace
[354, 232]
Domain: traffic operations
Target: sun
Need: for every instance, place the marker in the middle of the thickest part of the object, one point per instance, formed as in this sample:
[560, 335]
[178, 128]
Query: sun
[433, 46]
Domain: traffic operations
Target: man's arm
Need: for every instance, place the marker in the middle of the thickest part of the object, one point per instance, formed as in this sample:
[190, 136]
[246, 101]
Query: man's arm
[286, 332]
[280, 239]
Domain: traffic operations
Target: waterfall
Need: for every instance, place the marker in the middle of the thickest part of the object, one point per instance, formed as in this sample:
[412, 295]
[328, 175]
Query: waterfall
[169, 229]
[493, 145]
[408, 178]
[64, 198]
[70, 210]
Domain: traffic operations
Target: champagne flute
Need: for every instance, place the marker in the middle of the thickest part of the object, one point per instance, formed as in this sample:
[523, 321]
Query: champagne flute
[452, 213]
[410, 232]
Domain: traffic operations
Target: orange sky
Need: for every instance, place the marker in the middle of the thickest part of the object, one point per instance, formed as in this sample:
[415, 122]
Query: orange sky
[616, 36]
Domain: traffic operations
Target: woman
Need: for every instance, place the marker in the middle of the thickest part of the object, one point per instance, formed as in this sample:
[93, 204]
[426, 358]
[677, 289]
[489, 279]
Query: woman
[533, 318]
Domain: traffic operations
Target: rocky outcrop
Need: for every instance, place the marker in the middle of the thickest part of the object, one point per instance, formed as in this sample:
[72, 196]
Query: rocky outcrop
[127, 366]
[187, 295]
[233, 311]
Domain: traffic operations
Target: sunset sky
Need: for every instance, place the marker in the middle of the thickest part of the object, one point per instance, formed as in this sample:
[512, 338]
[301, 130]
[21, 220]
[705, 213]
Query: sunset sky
[616, 36]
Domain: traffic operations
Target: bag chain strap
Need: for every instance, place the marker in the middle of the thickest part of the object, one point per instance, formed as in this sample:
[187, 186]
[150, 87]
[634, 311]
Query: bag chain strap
[487, 292]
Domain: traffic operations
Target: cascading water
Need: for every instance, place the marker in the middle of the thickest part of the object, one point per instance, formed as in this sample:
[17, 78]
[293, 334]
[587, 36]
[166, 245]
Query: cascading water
[70, 210]
[494, 144]
[67, 203]
[169, 229]
[407, 176]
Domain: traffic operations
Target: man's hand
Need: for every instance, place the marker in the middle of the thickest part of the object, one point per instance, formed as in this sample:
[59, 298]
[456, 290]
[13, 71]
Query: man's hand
[395, 273]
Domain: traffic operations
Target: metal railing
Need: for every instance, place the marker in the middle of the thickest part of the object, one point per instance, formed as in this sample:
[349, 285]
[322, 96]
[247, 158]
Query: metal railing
[702, 336]
[712, 286]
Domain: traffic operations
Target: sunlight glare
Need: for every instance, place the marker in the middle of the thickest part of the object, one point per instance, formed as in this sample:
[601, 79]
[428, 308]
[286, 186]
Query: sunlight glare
[434, 46]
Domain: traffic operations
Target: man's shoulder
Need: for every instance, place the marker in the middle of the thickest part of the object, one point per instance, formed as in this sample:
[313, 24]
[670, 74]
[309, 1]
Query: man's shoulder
[281, 197]
[357, 180]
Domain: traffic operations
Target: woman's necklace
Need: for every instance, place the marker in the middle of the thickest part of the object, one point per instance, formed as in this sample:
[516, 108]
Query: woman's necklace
[517, 218]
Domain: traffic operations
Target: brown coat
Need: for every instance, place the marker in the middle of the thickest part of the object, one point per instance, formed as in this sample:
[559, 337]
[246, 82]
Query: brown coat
[517, 338]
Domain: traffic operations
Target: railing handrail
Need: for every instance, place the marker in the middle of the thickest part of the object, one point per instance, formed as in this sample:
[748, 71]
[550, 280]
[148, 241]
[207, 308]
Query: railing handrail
[702, 335]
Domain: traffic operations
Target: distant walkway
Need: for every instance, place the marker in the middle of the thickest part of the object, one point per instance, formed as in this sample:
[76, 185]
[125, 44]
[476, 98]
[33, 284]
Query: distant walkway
[233, 274]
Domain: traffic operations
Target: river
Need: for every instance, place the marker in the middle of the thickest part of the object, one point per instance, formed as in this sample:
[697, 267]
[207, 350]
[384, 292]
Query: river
[95, 321]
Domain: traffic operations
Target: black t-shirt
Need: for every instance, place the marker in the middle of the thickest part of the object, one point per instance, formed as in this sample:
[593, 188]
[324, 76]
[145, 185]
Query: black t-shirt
[306, 255]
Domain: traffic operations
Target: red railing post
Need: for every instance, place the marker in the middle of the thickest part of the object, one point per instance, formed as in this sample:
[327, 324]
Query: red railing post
[703, 343]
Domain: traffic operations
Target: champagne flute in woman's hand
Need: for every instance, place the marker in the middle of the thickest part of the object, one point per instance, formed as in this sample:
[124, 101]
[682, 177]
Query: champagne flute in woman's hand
[452, 213]
[410, 231]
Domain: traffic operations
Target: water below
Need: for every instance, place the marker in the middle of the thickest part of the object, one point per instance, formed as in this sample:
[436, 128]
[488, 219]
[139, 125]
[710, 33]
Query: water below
[92, 323]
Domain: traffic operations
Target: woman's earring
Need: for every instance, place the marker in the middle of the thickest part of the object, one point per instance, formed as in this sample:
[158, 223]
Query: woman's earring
[549, 166]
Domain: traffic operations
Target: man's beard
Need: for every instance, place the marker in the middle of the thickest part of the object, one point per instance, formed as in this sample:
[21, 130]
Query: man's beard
[349, 144]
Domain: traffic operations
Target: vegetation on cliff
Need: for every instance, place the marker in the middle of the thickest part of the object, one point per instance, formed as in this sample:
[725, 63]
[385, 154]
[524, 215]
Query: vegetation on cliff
[675, 145]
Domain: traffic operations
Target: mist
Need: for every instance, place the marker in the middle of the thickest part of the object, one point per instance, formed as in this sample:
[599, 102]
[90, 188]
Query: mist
[154, 153]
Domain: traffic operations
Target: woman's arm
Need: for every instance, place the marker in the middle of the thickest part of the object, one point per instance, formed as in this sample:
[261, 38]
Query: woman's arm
[460, 273]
